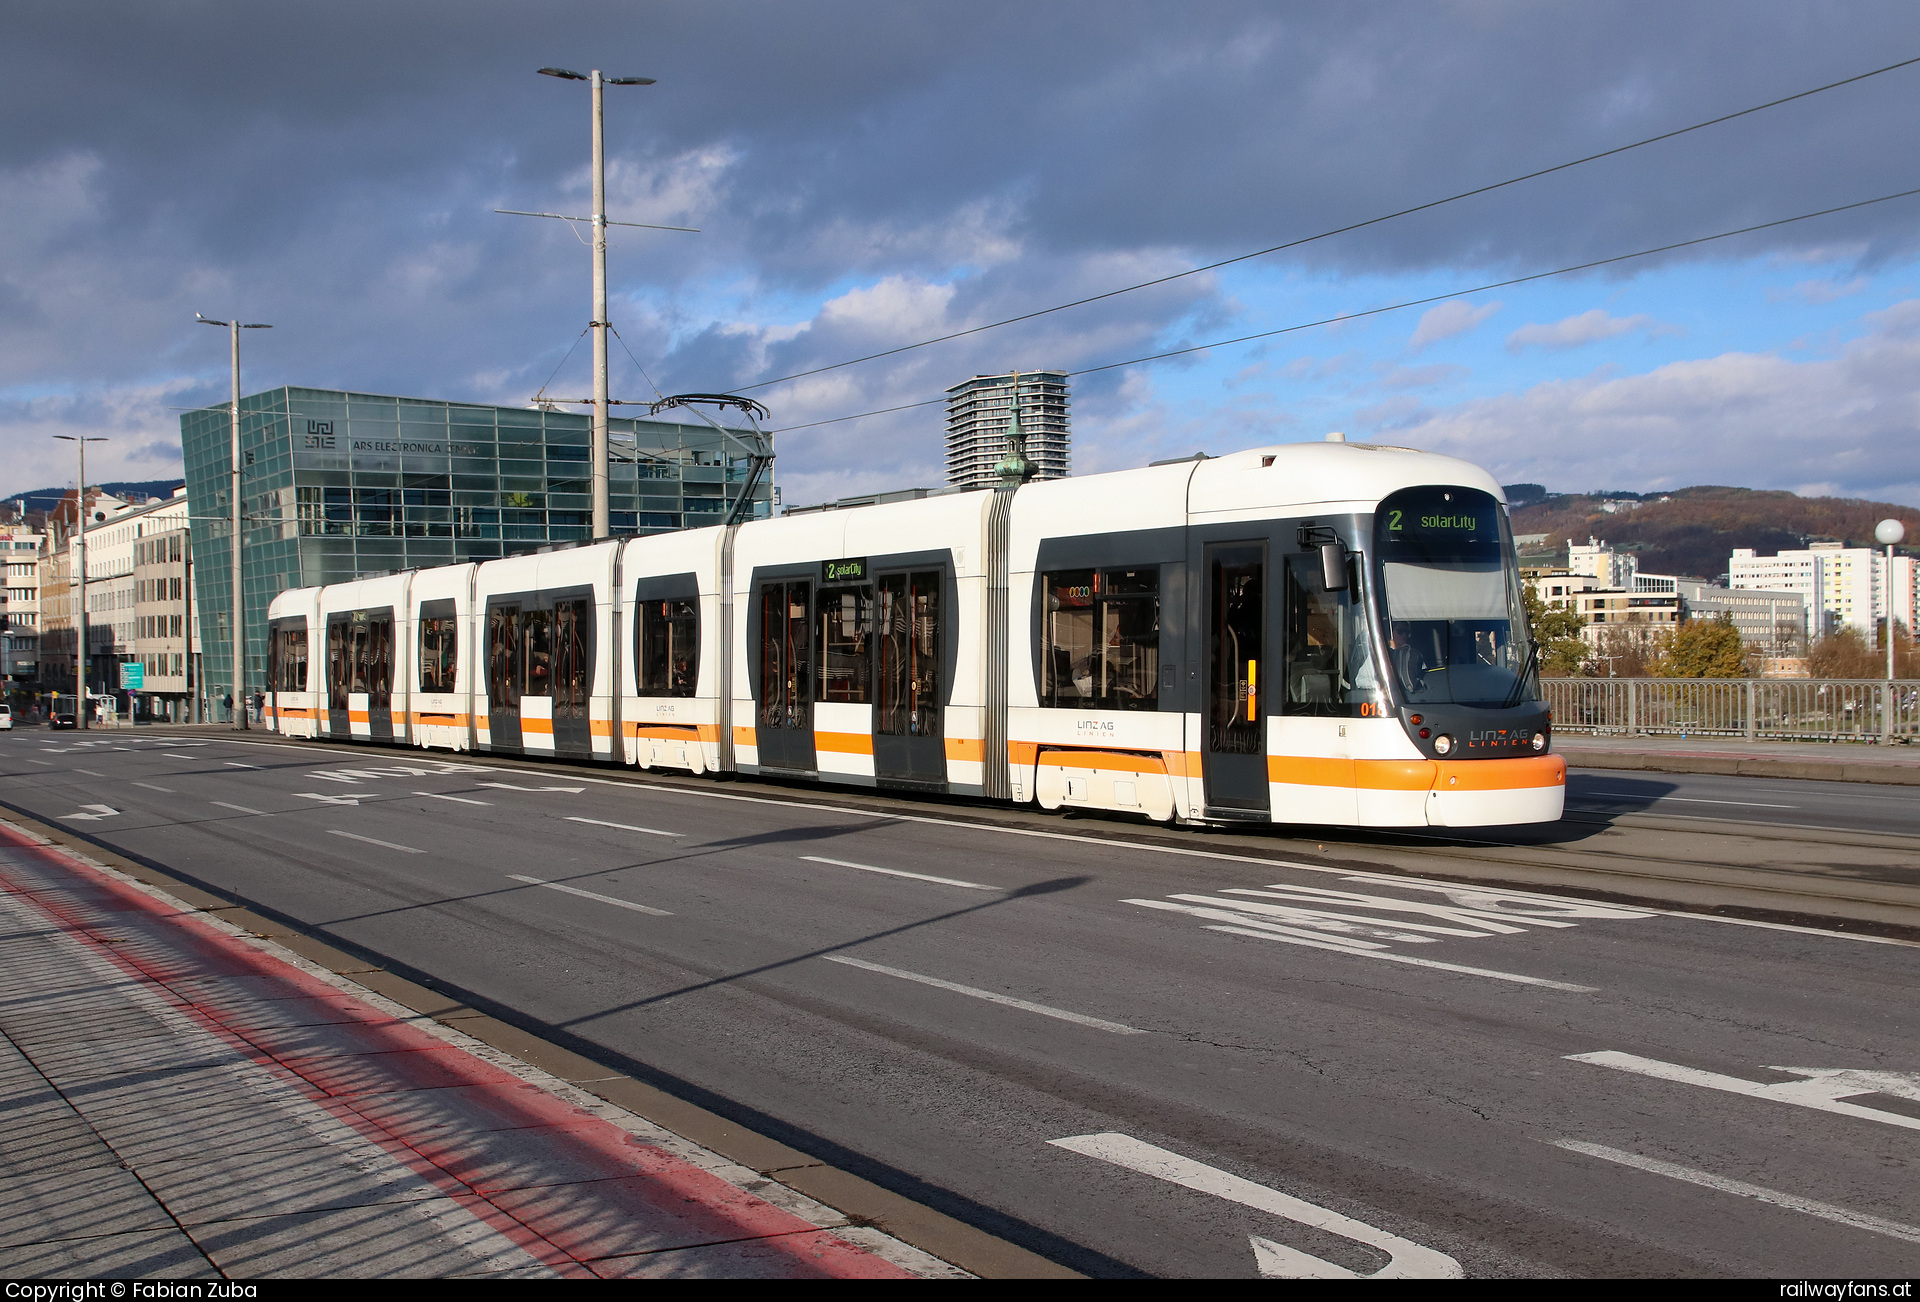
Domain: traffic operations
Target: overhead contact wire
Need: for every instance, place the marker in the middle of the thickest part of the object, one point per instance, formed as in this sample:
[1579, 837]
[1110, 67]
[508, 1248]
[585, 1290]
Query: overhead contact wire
[1412, 302]
[1341, 230]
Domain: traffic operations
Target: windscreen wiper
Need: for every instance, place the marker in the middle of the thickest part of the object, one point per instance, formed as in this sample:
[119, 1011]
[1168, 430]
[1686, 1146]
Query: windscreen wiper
[1526, 672]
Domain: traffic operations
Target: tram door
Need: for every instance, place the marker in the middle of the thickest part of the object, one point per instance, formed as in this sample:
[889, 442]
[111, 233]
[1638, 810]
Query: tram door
[373, 672]
[505, 669]
[339, 672]
[783, 723]
[909, 737]
[572, 677]
[1235, 744]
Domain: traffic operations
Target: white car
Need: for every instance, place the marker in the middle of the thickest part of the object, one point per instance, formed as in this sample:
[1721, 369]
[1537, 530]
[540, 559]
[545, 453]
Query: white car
[6, 717]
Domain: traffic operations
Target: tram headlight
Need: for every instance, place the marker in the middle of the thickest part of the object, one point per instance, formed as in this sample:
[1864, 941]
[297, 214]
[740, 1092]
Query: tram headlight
[1539, 741]
[1443, 744]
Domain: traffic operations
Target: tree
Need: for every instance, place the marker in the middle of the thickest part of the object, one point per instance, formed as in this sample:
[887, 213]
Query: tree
[1627, 651]
[1705, 648]
[1845, 654]
[1557, 629]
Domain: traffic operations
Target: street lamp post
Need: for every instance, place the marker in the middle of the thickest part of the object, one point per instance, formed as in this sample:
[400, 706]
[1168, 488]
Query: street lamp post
[600, 323]
[80, 516]
[238, 621]
[1889, 533]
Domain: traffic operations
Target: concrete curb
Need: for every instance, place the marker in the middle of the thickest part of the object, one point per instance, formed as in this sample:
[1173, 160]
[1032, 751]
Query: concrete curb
[1896, 775]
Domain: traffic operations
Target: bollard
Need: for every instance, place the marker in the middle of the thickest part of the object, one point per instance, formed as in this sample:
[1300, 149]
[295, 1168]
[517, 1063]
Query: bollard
[1752, 725]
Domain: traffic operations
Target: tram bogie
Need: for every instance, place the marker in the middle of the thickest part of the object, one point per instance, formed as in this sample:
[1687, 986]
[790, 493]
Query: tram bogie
[1317, 634]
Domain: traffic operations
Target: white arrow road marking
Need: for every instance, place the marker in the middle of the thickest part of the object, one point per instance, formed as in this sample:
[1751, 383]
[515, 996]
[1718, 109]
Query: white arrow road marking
[331, 799]
[99, 812]
[1822, 1089]
[1825, 1211]
[1408, 1260]
[508, 786]
[895, 872]
[435, 795]
[624, 827]
[589, 895]
[242, 809]
[355, 836]
[1097, 1023]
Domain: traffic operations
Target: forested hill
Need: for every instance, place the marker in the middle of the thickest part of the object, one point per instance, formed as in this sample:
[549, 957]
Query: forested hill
[1693, 530]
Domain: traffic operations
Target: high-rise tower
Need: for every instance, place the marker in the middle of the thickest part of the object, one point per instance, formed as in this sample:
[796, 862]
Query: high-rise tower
[979, 412]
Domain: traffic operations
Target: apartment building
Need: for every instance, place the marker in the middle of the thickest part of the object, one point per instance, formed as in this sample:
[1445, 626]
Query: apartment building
[20, 609]
[1843, 587]
[980, 412]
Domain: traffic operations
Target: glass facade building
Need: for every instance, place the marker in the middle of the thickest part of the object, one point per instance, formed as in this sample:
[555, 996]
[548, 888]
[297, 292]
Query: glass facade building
[336, 486]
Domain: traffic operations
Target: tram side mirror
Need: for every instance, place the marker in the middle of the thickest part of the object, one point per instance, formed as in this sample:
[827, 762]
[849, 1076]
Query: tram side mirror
[1333, 565]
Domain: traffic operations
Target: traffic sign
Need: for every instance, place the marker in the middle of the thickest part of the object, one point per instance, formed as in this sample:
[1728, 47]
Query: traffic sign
[133, 677]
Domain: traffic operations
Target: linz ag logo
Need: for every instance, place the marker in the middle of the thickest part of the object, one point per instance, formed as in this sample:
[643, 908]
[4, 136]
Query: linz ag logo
[319, 434]
[1499, 737]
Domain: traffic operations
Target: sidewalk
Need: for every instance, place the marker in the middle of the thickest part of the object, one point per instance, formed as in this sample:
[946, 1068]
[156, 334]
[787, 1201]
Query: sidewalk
[178, 1097]
[1827, 762]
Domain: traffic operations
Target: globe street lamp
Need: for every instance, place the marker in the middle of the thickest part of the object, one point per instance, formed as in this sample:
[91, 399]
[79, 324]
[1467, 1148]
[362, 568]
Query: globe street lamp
[1888, 533]
[238, 621]
[80, 515]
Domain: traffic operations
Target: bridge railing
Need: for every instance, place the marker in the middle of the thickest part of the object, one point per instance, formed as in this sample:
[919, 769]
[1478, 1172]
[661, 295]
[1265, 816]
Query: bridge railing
[1779, 709]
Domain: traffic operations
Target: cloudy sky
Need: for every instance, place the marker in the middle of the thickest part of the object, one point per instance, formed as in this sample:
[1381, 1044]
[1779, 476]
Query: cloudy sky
[867, 175]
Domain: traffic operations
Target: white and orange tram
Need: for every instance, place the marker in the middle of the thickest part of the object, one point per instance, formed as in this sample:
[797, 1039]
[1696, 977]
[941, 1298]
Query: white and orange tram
[1328, 633]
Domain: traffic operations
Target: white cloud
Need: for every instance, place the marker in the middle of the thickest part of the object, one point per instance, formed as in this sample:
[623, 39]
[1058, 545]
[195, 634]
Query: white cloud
[1753, 419]
[1817, 292]
[1584, 328]
[1453, 318]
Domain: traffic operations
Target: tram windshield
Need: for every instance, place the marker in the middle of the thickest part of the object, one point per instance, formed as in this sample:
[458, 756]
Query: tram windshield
[1455, 623]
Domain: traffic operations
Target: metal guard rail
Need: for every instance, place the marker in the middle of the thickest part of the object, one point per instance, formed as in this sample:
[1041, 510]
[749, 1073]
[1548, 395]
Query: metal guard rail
[1800, 709]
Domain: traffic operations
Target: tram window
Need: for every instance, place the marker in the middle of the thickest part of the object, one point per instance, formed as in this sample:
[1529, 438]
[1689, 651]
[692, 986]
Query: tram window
[846, 636]
[669, 647]
[289, 671]
[1330, 669]
[572, 659]
[439, 653]
[503, 656]
[536, 652]
[1235, 576]
[1100, 639]
[338, 671]
[786, 680]
[907, 687]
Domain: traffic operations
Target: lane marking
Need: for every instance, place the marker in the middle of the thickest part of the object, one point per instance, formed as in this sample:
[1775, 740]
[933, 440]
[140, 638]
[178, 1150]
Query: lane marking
[1672, 1170]
[45, 763]
[149, 786]
[90, 773]
[1821, 1088]
[434, 795]
[1409, 959]
[624, 827]
[240, 808]
[1406, 1259]
[184, 757]
[331, 799]
[355, 836]
[1685, 800]
[97, 813]
[1079, 1019]
[896, 872]
[590, 895]
[508, 786]
[236, 764]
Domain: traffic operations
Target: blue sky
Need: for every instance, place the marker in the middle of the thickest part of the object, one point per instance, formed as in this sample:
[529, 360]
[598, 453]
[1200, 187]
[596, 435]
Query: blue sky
[867, 175]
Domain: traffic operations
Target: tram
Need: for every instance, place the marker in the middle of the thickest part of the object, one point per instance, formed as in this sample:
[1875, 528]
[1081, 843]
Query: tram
[1323, 633]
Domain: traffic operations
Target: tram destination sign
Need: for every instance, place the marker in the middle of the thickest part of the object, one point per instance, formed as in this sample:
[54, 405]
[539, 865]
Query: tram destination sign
[852, 570]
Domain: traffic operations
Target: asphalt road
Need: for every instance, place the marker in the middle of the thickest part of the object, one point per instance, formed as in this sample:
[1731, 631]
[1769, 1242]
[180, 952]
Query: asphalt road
[1250, 1060]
